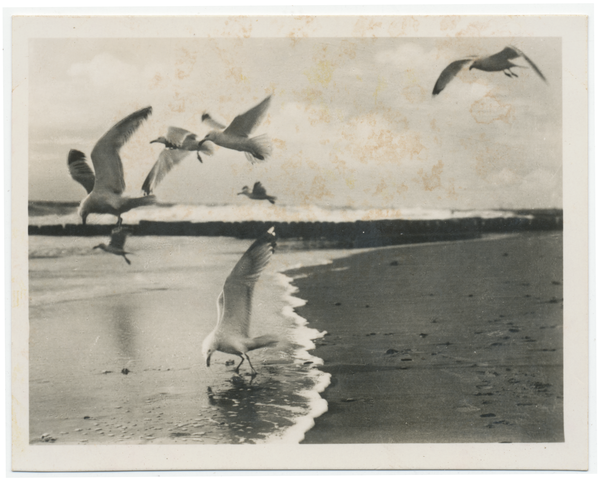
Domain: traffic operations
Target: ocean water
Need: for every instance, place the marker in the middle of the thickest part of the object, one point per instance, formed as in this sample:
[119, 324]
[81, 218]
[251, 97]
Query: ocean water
[115, 350]
[256, 211]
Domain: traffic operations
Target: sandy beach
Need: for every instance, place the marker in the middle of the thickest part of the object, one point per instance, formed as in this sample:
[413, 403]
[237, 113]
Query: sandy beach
[449, 342]
[445, 342]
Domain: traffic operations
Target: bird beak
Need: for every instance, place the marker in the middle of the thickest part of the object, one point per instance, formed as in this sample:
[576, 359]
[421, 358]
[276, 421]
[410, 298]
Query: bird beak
[240, 193]
[155, 141]
[208, 360]
[83, 219]
[96, 247]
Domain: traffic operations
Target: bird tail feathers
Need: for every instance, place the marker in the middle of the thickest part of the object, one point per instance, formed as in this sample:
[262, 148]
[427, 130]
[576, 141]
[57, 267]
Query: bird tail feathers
[140, 201]
[268, 340]
[260, 148]
[207, 148]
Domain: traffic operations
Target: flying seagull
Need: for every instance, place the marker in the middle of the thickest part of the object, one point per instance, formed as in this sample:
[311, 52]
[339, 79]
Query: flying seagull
[258, 193]
[178, 144]
[236, 135]
[234, 305]
[499, 62]
[106, 186]
[116, 246]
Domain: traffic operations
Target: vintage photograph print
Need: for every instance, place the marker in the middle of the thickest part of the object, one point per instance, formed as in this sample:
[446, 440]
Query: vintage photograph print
[298, 232]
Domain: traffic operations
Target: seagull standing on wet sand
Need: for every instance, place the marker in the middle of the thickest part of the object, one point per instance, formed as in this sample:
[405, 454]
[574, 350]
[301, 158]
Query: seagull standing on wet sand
[236, 135]
[499, 62]
[106, 186]
[178, 144]
[258, 193]
[116, 246]
[234, 306]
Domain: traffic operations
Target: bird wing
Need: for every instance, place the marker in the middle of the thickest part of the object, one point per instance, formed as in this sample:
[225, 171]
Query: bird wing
[528, 60]
[239, 286]
[449, 73]
[105, 156]
[80, 169]
[259, 189]
[118, 236]
[507, 54]
[212, 122]
[167, 159]
[177, 136]
[244, 124]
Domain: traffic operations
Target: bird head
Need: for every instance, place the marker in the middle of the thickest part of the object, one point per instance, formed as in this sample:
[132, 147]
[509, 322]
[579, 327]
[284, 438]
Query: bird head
[210, 136]
[160, 140]
[208, 348]
[100, 246]
[245, 190]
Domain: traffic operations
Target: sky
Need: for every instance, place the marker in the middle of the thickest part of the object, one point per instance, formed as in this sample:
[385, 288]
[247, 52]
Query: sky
[352, 121]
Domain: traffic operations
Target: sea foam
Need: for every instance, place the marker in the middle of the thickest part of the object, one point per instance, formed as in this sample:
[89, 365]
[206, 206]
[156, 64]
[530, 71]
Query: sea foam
[303, 336]
[266, 213]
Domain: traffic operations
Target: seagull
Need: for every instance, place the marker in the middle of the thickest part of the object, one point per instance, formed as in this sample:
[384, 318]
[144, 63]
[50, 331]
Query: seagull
[258, 193]
[178, 144]
[106, 187]
[236, 135]
[234, 305]
[118, 236]
[499, 62]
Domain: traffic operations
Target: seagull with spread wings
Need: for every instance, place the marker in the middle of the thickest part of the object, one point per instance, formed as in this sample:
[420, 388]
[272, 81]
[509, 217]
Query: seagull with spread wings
[499, 62]
[178, 144]
[236, 136]
[234, 305]
[116, 246]
[258, 193]
[106, 184]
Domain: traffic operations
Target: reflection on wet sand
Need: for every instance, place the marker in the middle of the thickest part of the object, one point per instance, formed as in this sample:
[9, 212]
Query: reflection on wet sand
[115, 354]
[249, 408]
[124, 330]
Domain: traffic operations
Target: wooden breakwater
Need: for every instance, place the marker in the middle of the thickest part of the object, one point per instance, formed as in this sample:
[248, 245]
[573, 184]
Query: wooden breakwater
[339, 234]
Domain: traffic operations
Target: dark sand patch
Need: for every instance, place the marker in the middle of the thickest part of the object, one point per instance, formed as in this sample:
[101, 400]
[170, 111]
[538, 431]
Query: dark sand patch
[462, 342]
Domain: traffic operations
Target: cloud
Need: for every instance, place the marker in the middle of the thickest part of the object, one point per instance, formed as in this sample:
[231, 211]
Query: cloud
[408, 55]
[504, 177]
[542, 179]
[60, 140]
[104, 71]
[41, 157]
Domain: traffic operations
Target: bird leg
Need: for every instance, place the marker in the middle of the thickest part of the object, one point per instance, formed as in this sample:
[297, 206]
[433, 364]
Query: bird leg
[512, 73]
[198, 155]
[254, 373]
[237, 369]
[127, 260]
[507, 74]
[119, 221]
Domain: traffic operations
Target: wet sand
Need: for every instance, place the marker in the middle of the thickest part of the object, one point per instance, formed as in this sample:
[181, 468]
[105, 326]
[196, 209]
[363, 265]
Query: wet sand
[115, 349]
[127, 369]
[452, 342]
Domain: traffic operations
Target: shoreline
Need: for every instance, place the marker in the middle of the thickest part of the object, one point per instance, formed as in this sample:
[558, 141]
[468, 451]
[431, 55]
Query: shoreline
[443, 342]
